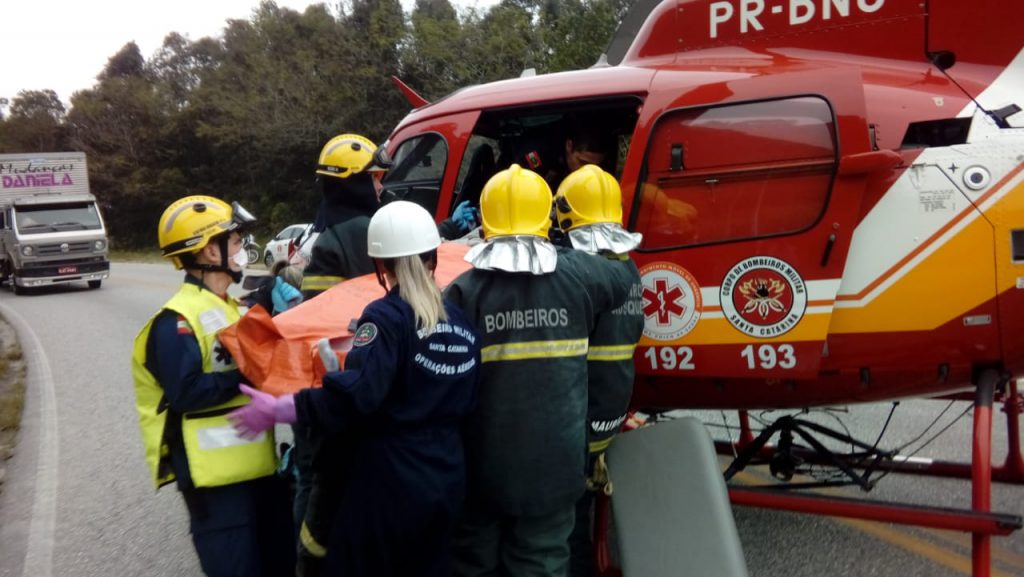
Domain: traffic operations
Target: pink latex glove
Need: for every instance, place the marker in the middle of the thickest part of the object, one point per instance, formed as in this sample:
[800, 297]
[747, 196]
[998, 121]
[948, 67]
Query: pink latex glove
[261, 414]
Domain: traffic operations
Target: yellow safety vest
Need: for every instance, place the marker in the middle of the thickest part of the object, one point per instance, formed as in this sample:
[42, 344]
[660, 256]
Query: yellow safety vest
[216, 454]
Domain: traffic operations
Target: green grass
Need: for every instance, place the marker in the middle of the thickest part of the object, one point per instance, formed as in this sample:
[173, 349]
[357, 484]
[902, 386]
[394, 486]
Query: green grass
[12, 392]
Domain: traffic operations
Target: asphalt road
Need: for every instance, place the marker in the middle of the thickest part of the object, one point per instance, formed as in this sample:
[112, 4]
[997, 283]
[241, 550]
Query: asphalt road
[78, 500]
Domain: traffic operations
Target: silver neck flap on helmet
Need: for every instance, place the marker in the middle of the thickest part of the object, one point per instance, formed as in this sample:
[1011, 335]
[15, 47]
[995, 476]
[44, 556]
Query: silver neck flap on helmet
[604, 237]
[518, 253]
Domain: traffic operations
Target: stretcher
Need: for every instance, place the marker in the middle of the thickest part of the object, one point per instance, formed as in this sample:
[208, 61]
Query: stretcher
[670, 503]
[279, 355]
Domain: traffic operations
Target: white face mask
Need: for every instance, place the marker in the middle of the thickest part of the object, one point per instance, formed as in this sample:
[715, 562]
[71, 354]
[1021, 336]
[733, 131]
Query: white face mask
[241, 258]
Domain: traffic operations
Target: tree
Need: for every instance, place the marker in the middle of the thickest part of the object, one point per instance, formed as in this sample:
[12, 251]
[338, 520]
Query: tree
[433, 58]
[35, 123]
[179, 66]
[128, 62]
[375, 30]
[120, 124]
[502, 42]
[576, 32]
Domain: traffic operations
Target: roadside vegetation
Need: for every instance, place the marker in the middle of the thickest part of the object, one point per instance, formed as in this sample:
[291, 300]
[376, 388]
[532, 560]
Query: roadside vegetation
[12, 393]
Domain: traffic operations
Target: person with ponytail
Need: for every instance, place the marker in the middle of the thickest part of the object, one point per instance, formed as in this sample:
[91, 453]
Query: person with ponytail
[408, 383]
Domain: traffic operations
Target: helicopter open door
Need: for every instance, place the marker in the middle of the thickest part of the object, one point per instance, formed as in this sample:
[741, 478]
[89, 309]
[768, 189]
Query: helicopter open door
[748, 192]
[421, 170]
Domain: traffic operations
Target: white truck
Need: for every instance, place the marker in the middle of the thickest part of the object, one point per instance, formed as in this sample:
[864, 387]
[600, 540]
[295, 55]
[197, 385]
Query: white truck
[51, 231]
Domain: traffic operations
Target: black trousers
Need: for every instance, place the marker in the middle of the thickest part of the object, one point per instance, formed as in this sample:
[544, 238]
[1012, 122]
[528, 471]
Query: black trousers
[243, 530]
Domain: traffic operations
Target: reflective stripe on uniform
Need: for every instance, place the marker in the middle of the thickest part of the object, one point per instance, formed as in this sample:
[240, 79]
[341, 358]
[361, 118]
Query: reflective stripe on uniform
[306, 538]
[600, 446]
[534, 350]
[320, 283]
[611, 353]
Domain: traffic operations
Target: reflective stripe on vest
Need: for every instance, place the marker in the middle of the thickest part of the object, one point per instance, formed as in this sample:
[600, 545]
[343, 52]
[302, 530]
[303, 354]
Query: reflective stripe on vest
[216, 454]
[320, 283]
[534, 350]
[611, 353]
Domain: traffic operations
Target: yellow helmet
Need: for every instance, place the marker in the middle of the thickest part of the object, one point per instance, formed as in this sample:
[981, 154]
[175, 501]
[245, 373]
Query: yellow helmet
[189, 224]
[588, 196]
[516, 201]
[345, 155]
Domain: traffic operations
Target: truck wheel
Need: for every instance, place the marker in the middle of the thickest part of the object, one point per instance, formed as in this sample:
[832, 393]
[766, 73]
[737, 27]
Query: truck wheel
[18, 290]
[95, 284]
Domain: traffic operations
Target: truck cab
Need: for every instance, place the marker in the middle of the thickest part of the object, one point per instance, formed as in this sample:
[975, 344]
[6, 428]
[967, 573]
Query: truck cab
[51, 230]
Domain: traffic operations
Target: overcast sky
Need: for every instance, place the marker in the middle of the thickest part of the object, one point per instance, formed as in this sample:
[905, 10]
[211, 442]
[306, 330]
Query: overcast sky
[64, 44]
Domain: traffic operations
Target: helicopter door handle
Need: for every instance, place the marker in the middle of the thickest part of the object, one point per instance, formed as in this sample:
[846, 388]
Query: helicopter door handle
[831, 242]
[677, 158]
[868, 162]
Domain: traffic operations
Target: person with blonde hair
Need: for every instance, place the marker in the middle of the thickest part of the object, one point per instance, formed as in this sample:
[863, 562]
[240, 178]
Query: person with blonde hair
[409, 381]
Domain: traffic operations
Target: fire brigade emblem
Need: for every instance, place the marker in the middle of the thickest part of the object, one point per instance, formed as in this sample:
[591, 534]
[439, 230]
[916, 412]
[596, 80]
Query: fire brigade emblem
[763, 297]
[671, 301]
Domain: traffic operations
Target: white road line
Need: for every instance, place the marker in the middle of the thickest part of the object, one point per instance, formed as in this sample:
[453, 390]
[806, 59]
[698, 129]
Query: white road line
[39, 551]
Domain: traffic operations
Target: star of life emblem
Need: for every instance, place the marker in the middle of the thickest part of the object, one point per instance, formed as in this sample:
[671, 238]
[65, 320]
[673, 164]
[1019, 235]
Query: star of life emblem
[671, 300]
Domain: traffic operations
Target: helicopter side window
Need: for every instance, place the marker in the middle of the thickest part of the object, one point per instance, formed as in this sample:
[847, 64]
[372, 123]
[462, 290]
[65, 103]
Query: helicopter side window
[417, 171]
[736, 172]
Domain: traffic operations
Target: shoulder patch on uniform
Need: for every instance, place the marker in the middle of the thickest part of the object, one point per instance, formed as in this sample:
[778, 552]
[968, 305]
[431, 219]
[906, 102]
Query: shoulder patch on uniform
[183, 326]
[365, 334]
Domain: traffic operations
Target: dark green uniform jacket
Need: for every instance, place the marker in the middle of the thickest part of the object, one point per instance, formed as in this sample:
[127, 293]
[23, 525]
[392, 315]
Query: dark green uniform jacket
[526, 442]
[338, 254]
[610, 361]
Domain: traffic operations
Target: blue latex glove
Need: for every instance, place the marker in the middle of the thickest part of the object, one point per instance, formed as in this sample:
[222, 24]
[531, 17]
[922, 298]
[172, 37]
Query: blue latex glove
[262, 412]
[465, 217]
[284, 296]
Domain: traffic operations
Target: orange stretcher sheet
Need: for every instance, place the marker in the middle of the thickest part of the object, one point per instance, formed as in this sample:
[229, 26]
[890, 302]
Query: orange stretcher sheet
[278, 355]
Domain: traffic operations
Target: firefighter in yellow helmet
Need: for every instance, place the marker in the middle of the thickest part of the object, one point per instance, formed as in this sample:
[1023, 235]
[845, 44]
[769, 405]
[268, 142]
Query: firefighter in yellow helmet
[347, 172]
[588, 210]
[535, 306]
[186, 383]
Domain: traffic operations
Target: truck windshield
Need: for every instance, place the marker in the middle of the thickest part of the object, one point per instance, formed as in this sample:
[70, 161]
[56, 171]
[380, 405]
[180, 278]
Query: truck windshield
[57, 218]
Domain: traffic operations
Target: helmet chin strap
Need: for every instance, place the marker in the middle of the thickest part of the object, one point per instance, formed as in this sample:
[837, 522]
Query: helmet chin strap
[224, 266]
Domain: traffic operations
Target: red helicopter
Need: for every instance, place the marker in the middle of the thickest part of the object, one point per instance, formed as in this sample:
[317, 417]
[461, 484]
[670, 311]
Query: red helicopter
[831, 197]
[831, 194]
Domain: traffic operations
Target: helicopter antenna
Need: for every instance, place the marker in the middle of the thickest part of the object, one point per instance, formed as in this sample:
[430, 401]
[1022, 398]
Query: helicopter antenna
[944, 60]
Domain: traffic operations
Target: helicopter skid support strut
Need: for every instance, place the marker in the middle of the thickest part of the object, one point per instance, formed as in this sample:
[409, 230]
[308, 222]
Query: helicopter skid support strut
[979, 520]
[1011, 471]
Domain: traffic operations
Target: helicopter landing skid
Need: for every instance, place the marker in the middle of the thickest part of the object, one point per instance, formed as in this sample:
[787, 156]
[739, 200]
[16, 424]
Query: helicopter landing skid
[980, 521]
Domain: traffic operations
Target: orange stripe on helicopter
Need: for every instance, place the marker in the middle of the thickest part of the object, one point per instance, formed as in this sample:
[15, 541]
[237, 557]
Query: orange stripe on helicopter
[933, 292]
[718, 331]
[932, 239]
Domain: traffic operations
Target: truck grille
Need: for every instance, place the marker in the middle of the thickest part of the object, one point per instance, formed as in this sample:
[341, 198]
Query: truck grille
[78, 247]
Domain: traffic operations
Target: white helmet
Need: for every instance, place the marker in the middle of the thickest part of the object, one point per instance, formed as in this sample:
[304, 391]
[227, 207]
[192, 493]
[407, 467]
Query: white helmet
[401, 228]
